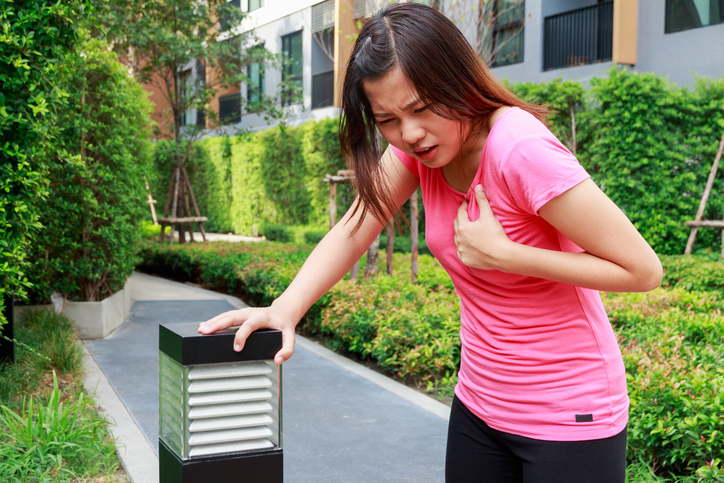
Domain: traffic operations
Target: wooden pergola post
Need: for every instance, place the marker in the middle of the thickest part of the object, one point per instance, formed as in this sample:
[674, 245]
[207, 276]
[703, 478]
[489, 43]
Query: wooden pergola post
[414, 236]
[181, 219]
[698, 222]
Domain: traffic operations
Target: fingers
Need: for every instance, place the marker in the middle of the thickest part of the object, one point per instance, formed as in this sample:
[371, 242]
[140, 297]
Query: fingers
[223, 321]
[287, 347]
[481, 197]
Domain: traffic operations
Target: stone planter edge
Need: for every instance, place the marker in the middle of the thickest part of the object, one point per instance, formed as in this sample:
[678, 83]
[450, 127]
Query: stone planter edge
[94, 320]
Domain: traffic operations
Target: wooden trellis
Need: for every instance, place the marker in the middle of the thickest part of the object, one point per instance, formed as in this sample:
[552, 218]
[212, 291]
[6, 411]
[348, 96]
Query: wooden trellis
[181, 219]
[698, 222]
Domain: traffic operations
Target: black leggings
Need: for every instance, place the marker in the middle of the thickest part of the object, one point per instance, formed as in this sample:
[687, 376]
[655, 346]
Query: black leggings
[476, 453]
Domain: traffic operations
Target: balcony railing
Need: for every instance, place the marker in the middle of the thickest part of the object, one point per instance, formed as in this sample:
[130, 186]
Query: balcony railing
[578, 37]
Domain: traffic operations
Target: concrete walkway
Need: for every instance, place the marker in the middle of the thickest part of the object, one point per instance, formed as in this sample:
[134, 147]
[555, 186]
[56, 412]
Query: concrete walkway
[342, 422]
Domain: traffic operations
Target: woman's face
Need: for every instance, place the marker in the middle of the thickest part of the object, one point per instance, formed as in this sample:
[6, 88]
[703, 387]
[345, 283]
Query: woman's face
[409, 125]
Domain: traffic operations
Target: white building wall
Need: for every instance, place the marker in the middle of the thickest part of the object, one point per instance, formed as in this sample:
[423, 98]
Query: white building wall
[270, 23]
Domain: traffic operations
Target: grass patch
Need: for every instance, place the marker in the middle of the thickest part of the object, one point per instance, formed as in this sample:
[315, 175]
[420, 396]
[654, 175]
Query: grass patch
[52, 430]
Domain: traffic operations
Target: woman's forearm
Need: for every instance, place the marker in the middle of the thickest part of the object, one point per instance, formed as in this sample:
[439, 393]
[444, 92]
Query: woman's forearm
[327, 264]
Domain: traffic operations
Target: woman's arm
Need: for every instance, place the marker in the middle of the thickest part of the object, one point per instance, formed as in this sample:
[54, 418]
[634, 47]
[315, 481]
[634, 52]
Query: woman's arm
[616, 257]
[326, 265]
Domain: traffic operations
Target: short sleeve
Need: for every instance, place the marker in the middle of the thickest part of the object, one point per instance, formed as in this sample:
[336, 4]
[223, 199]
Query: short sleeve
[409, 162]
[539, 168]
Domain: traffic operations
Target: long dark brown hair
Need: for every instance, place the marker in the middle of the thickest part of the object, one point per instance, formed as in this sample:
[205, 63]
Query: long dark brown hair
[446, 72]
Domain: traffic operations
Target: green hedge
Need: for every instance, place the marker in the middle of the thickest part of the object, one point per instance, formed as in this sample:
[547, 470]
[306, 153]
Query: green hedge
[648, 143]
[37, 36]
[670, 338]
[87, 246]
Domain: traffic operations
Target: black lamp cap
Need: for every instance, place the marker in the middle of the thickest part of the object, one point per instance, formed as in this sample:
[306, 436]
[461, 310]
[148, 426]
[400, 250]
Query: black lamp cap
[183, 343]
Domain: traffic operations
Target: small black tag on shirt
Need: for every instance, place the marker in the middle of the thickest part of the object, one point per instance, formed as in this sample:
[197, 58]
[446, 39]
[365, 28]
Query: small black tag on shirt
[584, 418]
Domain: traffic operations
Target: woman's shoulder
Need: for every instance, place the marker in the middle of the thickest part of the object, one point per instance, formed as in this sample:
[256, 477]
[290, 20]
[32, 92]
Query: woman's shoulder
[516, 123]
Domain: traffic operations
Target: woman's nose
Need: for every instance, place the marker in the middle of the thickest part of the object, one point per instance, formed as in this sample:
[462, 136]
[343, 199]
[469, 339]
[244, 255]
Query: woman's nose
[412, 132]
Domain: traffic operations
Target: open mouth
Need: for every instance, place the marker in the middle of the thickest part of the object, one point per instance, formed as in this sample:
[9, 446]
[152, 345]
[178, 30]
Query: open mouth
[426, 154]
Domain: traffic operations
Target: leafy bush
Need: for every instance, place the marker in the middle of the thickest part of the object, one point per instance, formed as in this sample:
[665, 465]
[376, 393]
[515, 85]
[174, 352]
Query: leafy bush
[87, 246]
[37, 36]
[312, 237]
[670, 339]
[278, 233]
[403, 244]
[322, 156]
[643, 155]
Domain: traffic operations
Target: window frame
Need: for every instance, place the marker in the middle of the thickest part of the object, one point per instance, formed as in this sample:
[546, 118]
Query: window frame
[500, 28]
[286, 73]
[667, 18]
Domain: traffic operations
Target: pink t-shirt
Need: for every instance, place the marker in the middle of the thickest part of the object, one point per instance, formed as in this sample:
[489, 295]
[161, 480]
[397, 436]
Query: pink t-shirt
[539, 358]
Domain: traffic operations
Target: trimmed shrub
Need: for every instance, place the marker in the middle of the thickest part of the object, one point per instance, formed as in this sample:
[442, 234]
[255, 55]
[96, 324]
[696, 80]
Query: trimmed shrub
[87, 247]
[37, 36]
[322, 156]
[278, 233]
[643, 156]
[312, 237]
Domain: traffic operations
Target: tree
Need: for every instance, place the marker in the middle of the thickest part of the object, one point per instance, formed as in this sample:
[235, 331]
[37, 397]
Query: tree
[493, 27]
[162, 38]
[88, 246]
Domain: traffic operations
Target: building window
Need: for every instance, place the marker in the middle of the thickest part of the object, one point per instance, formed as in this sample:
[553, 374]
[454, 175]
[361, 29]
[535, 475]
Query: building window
[183, 85]
[255, 4]
[255, 86]
[323, 54]
[200, 82]
[223, 23]
[508, 32]
[292, 48]
[691, 14]
[230, 108]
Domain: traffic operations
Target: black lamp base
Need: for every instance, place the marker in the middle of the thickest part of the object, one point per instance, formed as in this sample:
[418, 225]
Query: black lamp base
[264, 467]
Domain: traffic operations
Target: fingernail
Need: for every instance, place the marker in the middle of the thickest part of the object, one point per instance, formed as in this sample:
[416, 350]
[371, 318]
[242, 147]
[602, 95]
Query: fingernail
[479, 187]
[237, 347]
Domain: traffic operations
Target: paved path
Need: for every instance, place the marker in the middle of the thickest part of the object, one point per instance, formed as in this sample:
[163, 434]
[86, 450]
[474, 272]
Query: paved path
[342, 422]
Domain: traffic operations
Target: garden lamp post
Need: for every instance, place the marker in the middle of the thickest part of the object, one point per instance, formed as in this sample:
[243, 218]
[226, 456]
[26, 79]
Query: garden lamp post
[219, 410]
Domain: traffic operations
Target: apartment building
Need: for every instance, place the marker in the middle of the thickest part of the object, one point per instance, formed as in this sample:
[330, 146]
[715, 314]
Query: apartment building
[527, 40]
[581, 39]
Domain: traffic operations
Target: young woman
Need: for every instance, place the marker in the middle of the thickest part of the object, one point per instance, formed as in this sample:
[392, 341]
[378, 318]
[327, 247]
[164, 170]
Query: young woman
[527, 238]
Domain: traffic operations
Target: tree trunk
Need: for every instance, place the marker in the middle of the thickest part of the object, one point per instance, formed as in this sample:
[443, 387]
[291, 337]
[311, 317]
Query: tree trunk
[390, 245]
[414, 248]
[373, 258]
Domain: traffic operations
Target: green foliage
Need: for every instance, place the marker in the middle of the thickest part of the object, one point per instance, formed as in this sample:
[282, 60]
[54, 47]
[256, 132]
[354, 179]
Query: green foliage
[312, 237]
[568, 103]
[35, 38]
[671, 342]
[283, 172]
[643, 156]
[87, 246]
[162, 37]
[277, 233]
[322, 156]
[50, 433]
[209, 170]
[403, 244]
[55, 440]
[670, 339]
[250, 207]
